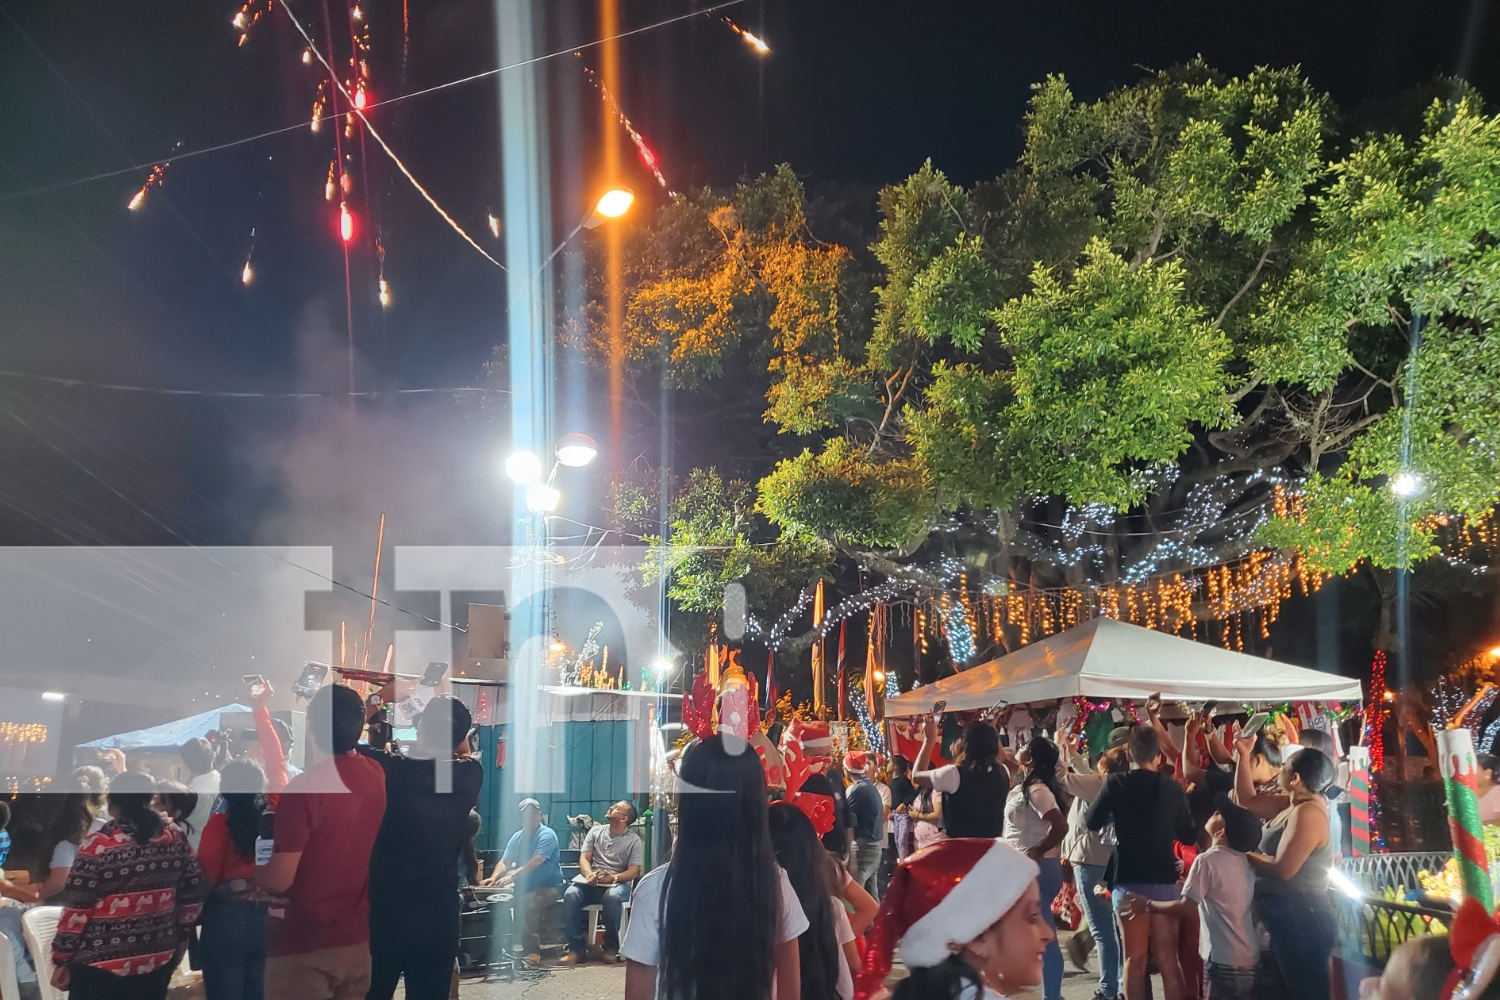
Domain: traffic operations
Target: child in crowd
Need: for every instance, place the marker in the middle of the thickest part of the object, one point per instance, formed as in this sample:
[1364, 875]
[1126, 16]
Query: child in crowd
[967, 916]
[1221, 885]
[1460, 965]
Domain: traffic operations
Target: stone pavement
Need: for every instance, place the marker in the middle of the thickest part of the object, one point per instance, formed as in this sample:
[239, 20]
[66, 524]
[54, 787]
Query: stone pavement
[607, 982]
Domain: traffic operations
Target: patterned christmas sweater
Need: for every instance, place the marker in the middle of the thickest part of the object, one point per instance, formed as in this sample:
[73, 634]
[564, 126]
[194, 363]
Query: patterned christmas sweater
[127, 906]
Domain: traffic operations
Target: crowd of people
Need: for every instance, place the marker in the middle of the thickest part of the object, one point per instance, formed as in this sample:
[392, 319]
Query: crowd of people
[260, 872]
[1197, 855]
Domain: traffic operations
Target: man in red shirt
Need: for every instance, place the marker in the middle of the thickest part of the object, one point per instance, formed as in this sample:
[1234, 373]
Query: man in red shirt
[318, 946]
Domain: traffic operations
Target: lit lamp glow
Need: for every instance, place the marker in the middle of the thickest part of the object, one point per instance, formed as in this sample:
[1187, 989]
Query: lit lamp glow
[524, 468]
[1406, 484]
[612, 204]
[541, 498]
[576, 450]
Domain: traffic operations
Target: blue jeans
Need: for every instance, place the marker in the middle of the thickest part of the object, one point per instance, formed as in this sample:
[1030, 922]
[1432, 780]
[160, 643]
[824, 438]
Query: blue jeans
[612, 897]
[1303, 933]
[867, 866]
[233, 950]
[1049, 881]
[10, 926]
[1101, 917]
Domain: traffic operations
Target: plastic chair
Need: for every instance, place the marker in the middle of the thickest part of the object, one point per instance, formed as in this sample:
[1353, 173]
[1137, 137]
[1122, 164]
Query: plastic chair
[9, 988]
[40, 923]
[596, 914]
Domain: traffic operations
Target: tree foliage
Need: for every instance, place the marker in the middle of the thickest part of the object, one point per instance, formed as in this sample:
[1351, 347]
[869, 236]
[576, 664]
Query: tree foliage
[1100, 364]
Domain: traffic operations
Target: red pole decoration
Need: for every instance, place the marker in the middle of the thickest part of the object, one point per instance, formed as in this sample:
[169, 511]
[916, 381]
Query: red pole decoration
[1359, 799]
[1374, 735]
[1459, 769]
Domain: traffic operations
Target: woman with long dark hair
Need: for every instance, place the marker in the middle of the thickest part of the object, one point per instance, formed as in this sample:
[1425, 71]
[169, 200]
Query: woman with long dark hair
[974, 787]
[720, 919]
[233, 944]
[130, 903]
[826, 972]
[1035, 826]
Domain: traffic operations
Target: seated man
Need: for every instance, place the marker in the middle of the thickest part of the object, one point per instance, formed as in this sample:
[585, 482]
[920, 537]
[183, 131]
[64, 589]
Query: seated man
[611, 859]
[530, 865]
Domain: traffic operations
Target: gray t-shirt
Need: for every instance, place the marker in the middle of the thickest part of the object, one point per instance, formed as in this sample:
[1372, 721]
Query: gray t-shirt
[612, 855]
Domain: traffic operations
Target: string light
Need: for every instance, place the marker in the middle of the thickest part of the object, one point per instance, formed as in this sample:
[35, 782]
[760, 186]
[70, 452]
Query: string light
[1374, 736]
[646, 153]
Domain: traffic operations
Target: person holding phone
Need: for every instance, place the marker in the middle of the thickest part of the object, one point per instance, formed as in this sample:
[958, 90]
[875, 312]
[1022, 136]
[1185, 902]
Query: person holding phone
[974, 787]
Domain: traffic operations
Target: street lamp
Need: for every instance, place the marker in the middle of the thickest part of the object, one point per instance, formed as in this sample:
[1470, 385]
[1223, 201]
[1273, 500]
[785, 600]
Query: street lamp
[612, 204]
[525, 469]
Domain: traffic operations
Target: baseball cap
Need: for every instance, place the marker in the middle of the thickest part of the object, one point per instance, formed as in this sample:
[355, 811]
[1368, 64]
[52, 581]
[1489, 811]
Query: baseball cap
[1241, 828]
[530, 804]
[1119, 736]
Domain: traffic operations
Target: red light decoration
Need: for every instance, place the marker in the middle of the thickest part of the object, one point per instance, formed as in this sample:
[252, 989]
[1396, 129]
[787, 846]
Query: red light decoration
[346, 222]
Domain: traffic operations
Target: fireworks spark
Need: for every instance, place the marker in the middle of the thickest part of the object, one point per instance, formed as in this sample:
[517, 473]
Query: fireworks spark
[494, 225]
[320, 102]
[346, 222]
[360, 100]
[647, 154]
[751, 39]
[248, 274]
[156, 178]
[307, 57]
[385, 294]
[328, 186]
[244, 19]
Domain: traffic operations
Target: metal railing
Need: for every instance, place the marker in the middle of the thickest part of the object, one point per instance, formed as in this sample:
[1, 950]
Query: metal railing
[1370, 928]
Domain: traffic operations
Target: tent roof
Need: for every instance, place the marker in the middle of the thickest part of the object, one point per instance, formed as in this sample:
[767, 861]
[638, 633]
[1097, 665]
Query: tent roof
[1104, 658]
[168, 734]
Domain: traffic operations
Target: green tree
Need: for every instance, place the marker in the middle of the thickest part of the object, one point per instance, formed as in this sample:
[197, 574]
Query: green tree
[1104, 363]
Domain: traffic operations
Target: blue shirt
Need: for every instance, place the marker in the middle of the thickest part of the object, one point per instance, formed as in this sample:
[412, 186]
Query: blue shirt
[523, 848]
[866, 812]
[4, 848]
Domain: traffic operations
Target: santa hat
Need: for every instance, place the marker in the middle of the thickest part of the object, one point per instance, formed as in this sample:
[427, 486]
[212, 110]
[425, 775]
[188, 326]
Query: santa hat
[815, 737]
[855, 761]
[941, 898]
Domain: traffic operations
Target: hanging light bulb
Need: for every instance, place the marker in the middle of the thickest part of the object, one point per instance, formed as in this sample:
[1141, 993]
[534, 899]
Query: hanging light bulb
[385, 293]
[328, 188]
[359, 96]
[248, 274]
[346, 222]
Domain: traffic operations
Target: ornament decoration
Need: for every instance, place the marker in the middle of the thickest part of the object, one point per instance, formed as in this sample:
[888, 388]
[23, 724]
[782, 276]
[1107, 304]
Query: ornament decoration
[1459, 770]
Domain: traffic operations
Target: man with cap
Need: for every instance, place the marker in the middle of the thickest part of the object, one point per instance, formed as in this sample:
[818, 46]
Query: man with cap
[414, 901]
[531, 867]
[250, 740]
[966, 915]
[866, 821]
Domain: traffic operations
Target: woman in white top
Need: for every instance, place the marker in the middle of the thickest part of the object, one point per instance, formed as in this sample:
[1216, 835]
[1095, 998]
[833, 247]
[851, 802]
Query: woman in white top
[1034, 824]
[968, 918]
[826, 948]
[720, 919]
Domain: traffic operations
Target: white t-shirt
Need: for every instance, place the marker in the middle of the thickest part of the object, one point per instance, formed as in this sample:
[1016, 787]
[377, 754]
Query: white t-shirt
[642, 943]
[207, 787]
[945, 779]
[1221, 883]
[1024, 808]
[63, 854]
[885, 800]
[843, 930]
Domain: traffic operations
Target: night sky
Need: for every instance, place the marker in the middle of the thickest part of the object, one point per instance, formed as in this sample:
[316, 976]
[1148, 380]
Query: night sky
[854, 92]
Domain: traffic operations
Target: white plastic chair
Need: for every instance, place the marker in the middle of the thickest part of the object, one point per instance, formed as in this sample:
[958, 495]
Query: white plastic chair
[41, 927]
[596, 913]
[9, 988]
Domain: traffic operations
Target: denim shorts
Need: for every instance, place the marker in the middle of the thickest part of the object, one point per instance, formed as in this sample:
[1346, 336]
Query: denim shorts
[1157, 893]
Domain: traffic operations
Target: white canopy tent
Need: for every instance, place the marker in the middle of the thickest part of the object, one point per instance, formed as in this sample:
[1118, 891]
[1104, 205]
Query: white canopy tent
[1104, 658]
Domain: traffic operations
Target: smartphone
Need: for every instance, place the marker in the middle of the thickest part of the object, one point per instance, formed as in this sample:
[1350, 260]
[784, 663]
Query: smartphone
[433, 674]
[255, 682]
[313, 675]
[1256, 722]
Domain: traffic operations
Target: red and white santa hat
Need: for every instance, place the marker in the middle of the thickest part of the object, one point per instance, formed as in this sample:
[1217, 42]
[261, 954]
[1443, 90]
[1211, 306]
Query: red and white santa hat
[941, 898]
[815, 737]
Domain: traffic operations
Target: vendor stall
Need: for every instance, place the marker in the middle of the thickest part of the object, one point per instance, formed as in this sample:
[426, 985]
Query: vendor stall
[1104, 658]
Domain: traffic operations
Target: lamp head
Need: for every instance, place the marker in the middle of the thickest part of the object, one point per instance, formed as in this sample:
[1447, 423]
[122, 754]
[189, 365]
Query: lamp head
[576, 450]
[611, 205]
[541, 498]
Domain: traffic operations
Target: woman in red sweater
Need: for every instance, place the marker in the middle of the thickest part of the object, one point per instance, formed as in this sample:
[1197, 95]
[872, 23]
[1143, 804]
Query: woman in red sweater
[130, 902]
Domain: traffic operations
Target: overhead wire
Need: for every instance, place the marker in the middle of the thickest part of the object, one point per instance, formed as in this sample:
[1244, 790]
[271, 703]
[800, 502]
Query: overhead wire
[472, 78]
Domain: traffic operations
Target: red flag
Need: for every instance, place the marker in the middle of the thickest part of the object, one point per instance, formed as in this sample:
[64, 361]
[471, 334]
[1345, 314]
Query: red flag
[771, 693]
[841, 670]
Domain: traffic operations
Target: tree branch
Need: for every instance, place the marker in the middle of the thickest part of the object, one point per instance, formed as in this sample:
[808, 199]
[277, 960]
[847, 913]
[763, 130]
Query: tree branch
[1249, 282]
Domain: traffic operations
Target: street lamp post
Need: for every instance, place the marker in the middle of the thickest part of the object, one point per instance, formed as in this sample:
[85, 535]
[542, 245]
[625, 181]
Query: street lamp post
[612, 204]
